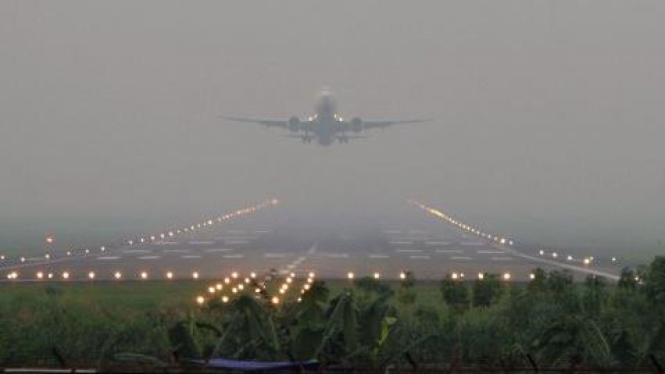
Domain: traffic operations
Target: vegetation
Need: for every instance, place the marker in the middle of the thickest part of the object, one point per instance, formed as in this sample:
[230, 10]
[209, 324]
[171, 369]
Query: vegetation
[549, 322]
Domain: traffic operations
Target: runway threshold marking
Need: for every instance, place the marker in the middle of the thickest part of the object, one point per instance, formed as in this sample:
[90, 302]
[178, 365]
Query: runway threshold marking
[448, 251]
[460, 258]
[486, 252]
[108, 258]
[378, 256]
[403, 250]
[189, 257]
[130, 251]
[419, 257]
[206, 242]
[149, 257]
[176, 251]
[275, 255]
[217, 250]
[234, 256]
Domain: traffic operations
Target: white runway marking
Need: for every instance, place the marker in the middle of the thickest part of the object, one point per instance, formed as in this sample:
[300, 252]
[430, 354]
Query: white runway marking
[448, 251]
[217, 250]
[187, 257]
[130, 251]
[236, 241]
[437, 243]
[378, 256]
[460, 258]
[166, 243]
[234, 256]
[337, 255]
[149, 257]
[486, 252]
[502, 258]
[201, 242]
[398, 242]
[176, 251]
[415, 231]
[415, 257]
[275, 255]
[403, 250]
[261, 231]
[472, 244]
[108, 258]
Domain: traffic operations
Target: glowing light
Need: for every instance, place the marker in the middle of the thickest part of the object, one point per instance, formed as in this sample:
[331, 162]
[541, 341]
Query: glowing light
[281, 290]
[65, 275]
[50, 275]
[377, 275]
[225, 299]
[257, 290]
[169, 275]
[555, 255]
[219, 286]
[587, 261]
[195, 275]
[241, 287]
[288, 280]
[569, 258]
[49, 240]
[40, 275]
[311, 275]
[402, 275]
[200, 300]
[117, 275]
[506, 276]
[481, 276]
[454, 275]
[350, 275]
[91, 275]
[252, 275]
[275, 300]
[532, 276]
[227, 280]
[102, 249]
[541, 252]
[234, 290]
[234, 275]
[211, 289]
[247, 280]
[614, 259]
[144, 275]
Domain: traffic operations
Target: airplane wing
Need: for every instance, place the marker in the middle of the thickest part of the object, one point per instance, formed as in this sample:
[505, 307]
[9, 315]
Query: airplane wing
[382, 124]
[266, 122]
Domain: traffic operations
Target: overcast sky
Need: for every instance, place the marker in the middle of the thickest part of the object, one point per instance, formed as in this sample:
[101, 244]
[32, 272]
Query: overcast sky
[549, 116]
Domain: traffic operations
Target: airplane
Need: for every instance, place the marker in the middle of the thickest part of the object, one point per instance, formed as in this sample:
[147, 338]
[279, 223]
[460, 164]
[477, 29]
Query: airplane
[325, 125]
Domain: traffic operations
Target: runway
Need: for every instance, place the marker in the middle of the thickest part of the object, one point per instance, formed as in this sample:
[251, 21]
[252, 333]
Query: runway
[267, 242]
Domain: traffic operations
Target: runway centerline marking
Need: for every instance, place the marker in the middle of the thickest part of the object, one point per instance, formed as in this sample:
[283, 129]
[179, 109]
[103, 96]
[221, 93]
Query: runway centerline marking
[238, 255]
[402, 250]
[449, 251]
[460, 258]
[378, 256]
[419, 257]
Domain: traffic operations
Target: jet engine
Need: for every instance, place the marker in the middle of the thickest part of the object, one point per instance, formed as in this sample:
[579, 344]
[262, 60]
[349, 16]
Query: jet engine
[294, 124]
[357, 125]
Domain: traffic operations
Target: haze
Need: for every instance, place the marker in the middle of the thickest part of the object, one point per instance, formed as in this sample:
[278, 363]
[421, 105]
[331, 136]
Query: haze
[548, 115]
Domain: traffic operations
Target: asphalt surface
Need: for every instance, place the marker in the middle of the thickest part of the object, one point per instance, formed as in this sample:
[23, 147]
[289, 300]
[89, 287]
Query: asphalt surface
[265, 241]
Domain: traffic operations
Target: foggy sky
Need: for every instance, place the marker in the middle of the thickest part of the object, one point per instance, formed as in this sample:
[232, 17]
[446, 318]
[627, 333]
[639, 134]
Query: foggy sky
[548, 115]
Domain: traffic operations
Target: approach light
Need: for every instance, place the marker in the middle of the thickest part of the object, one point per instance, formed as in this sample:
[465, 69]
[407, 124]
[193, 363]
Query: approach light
[195, 275]
[144, 275]
[377, 275]
[506, 276]
[200, 300]
[117, 275]
[91, 275]
[65, 275]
